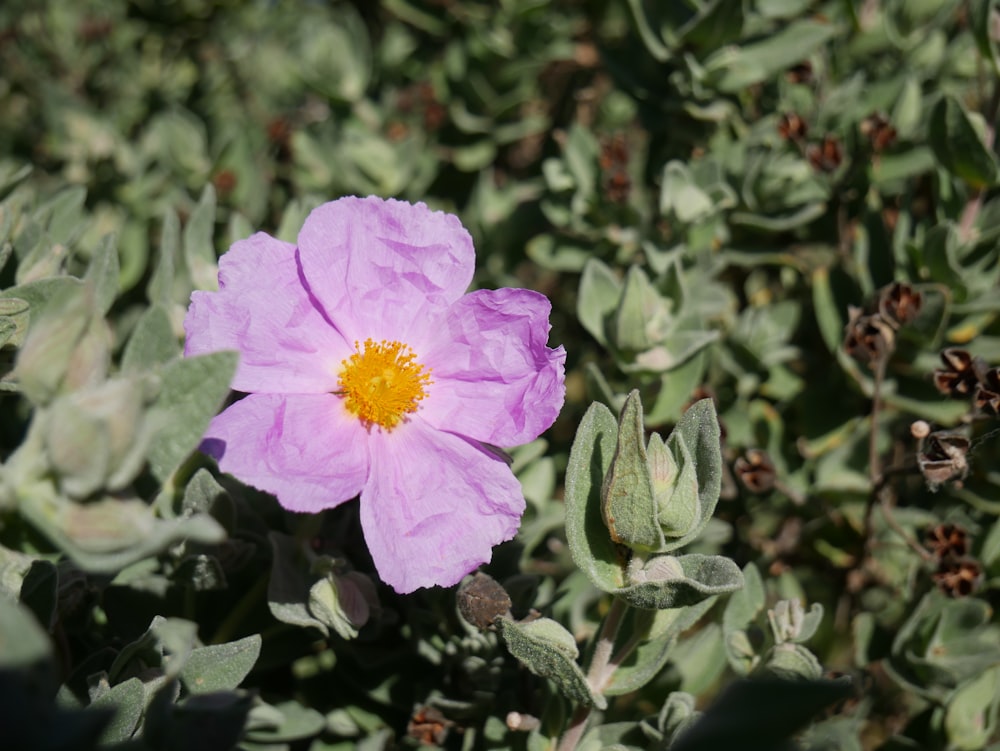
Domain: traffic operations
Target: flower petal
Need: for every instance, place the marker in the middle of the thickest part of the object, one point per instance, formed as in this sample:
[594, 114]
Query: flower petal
[262, 310]
[380, 267]
[434, 506]
[305, 448]
[495, 380]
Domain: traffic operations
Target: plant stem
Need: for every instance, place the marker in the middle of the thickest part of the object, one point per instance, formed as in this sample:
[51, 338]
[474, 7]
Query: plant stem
[600, 671]
[874, 468]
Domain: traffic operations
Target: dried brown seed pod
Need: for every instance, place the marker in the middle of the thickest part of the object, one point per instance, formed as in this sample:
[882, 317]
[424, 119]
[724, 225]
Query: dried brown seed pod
[987, 396]
[960, 375]
[481, 600]
[879, 131]
[944, 458]
[868, 338]
[791, 127]
[800, 73]
[614, 165]
[755, 471]
[827, 155]
[899, 303]
[958, 577]
[948, 540]
[429, 726]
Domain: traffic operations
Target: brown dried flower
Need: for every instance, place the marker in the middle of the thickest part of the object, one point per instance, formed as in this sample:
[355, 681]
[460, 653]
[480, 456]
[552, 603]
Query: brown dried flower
[800, 73]
[826, 156]
[944, 458]
[791, 127]
[879, 131]
[948, 540]
[958, 577]
[899, 304]
[428, 726]
[755, 471]
[868, 338]
[960, 375]
[614, 167]
[987, 397]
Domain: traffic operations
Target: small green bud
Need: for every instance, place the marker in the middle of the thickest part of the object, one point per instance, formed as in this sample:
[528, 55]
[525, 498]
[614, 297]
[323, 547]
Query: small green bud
[675, 485]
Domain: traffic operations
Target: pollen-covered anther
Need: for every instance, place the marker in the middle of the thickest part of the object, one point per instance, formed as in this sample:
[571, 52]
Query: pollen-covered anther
[382, 382]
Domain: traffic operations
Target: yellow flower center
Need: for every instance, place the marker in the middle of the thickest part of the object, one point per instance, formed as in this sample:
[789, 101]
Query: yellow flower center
[383, 382]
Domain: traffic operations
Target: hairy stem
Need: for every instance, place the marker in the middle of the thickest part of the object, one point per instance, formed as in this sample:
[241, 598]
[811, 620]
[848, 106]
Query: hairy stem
[602, 666]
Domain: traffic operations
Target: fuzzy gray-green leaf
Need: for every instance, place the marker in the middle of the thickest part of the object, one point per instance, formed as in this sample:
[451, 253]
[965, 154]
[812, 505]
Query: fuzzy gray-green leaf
[589, 541]
[549, 650]
[193, 390]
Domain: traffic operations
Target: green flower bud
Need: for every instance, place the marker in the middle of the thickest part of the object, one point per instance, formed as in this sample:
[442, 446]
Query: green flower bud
[675, 485]
[96, 438]
[67, 349]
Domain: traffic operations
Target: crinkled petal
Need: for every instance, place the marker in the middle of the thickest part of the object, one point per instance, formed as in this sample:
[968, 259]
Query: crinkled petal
[381, 267]
[494, 377]
[263, 310]
[434, 506]
[304, 448]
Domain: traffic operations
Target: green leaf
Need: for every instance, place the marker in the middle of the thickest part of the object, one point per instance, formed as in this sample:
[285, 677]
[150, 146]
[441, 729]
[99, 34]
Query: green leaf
[744, 606]
[127, 699]
[959, 146]
[681, 197]
[288, 588]
[590, 543]
[628, 506]
[193, 390]
[981, 16]
[733, 69]
[102, 274]
[600, 289]
[668, 581]
[152, 341]
[23, 642]
[204, 495]
[199, 245]
[971, 716]
[549, 650]
[297, 722]
[659, 629]
[220, 667]
[160, 289]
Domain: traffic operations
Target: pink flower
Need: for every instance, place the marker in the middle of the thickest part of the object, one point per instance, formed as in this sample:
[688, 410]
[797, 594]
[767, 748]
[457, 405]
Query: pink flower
[368, 370]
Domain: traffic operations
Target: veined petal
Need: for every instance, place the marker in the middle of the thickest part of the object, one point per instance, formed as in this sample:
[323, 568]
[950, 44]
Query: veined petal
[434, 506]
[494, 377]
[304, 448]
[381, 267]
[262, 310]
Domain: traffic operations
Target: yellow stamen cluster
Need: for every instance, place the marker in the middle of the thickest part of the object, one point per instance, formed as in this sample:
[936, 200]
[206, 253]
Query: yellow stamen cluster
[383, 382]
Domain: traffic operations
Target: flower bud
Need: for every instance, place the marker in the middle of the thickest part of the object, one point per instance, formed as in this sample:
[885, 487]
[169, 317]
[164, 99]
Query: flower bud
[675, 487]
[481, 600]
[68, 348]
[96, 438]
